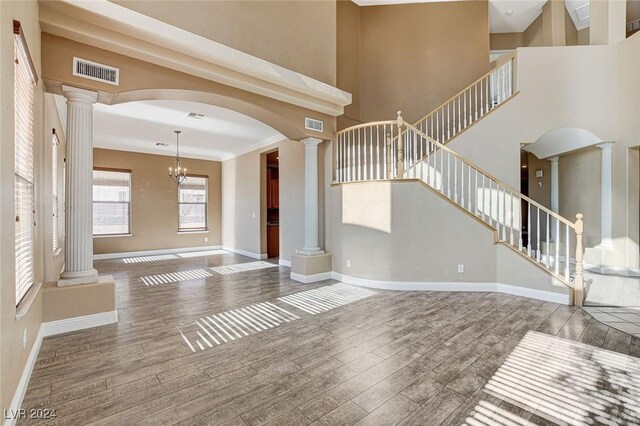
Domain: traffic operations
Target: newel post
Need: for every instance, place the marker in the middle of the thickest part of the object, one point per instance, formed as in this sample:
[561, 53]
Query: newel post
[578, 282]
[400, 170]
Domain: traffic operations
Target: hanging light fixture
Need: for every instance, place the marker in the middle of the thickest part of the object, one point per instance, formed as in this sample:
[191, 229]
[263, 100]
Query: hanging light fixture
[178, 174]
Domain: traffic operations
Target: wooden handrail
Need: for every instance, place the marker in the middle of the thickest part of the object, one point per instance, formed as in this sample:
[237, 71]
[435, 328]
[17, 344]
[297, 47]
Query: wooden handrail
[487, 174]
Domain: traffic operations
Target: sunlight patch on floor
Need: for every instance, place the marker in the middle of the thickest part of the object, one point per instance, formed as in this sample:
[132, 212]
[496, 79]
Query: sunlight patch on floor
[174, 277]
[564, 382]
[217, 329]
[243, 267]
[326, 298]
[142, 259]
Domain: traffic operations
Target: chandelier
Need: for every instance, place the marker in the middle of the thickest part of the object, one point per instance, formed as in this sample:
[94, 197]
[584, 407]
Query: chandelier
[178, 174]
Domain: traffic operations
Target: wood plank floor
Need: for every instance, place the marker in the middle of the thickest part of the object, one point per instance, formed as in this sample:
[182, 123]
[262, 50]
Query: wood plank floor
[391, 358]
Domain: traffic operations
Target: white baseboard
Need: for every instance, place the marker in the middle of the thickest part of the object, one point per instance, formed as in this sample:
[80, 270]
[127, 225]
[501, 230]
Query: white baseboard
[548, 296]
[306, 279]
[78, 323]
[18, 396]
[260, 256]
[283, 262]
[104, 256]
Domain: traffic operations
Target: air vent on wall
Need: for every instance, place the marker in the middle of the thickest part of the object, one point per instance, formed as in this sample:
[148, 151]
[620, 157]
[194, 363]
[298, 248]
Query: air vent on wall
[311, 124]
[95, 71]
[195, 115]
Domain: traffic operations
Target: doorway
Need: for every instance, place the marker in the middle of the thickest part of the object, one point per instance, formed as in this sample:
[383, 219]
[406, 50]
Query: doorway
[272, 200]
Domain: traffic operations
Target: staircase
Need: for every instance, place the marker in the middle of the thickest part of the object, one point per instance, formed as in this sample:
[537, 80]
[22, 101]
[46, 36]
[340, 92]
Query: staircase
[395, 149]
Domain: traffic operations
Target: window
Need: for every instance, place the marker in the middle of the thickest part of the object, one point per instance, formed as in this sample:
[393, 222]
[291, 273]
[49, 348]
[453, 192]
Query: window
[54, 190]
[192, 204]
[111, 202]
[24, 86]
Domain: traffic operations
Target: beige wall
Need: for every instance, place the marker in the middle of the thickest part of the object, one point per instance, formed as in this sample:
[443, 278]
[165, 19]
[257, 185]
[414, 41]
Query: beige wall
[405, 247]
[243, 183]
[13, 355]
[154, 203]
[348, 59]
[412, 58]
[542, 74]
[579, 190]
[137, 76]
[299, 35]
[401, 246]
[583, 37]
[570, 31]
[533, 36]
[505, 41]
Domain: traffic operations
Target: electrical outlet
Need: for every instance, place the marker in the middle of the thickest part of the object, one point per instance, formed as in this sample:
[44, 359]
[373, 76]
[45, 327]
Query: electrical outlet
[253, 214]
[206, 239]
[461, 269]
[24, 339]
[348, 263]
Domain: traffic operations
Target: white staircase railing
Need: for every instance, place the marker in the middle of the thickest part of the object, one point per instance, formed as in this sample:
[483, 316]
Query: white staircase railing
[470, 104]
[395, 149]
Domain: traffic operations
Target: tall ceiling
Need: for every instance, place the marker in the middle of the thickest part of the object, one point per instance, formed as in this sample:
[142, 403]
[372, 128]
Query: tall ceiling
[507, 16]
[217, 134]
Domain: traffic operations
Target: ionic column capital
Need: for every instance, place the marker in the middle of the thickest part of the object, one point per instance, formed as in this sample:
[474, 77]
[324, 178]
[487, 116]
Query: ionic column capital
[79, 96]
[605, 146]
[554, 159]
[311, 142]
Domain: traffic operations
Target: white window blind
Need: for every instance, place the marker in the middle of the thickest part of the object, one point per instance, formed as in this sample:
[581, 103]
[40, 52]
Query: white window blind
[192, 204]
[54, 191]
[24, 87]
[111, 202]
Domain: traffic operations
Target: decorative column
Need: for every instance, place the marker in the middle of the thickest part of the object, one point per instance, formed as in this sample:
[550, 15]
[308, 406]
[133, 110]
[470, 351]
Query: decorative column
[311, 246]
[606, 197]
[79, 188]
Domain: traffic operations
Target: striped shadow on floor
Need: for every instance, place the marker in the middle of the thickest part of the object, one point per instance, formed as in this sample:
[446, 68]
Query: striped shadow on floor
[155, 258]
[214, 330]
[191, 254]
[243, 267]
[174, 277]
[326, 298]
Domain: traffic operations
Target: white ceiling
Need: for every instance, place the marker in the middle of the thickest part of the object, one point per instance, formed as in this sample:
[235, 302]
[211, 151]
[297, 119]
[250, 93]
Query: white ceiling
[507, 16]
[138, 126]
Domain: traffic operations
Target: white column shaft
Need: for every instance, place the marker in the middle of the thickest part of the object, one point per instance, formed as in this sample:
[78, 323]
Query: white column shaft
[606, 197]
[311, 245]
[79, 188]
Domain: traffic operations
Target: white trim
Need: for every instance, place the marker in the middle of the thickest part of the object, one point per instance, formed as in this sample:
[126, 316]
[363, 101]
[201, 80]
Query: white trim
[109, 26]
[261, 256]
[548, 296]
[283, 262]
[79, 323]
[104, 256]
[18, 396]
[311, 278]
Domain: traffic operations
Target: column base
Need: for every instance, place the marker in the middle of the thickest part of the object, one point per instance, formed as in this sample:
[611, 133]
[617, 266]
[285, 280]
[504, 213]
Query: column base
[310, 251]
[307, 268]
[68, 278]
[71, 308]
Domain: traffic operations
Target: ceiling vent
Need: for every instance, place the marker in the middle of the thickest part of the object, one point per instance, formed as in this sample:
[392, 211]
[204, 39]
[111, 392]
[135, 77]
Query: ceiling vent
[161, 144]
[196, 115]
[311, 124]
[95, 71]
